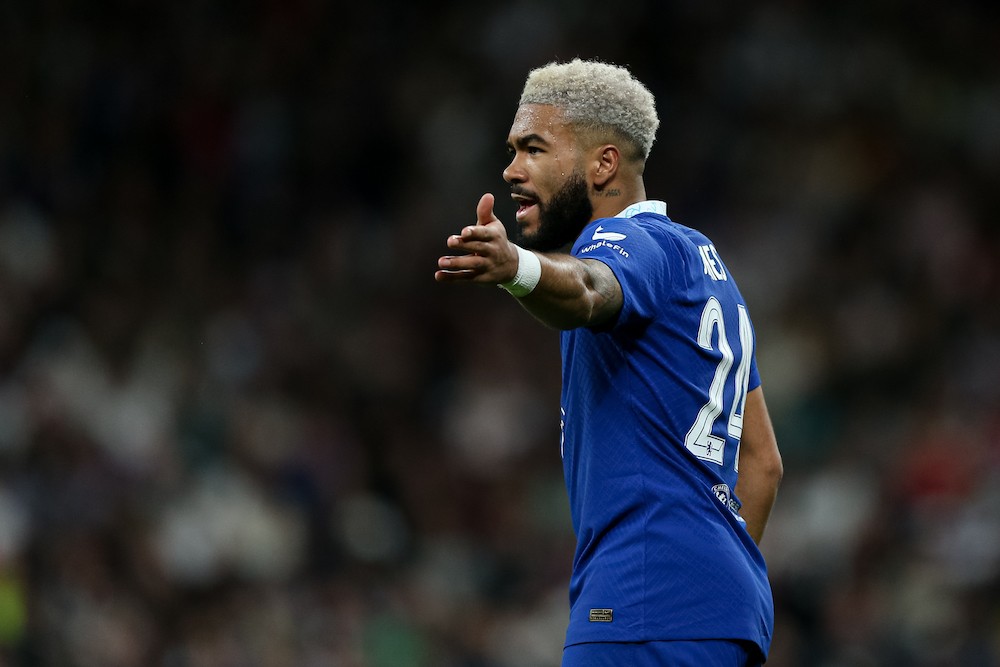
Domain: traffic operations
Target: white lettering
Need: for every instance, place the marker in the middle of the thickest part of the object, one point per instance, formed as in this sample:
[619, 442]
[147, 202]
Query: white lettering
[604, 244]
[713, 265]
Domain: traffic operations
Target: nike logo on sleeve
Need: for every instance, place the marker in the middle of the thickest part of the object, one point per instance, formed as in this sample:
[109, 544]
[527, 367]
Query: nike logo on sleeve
[607, 236]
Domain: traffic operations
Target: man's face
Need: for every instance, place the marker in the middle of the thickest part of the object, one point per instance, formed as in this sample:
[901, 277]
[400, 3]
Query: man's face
[547, 179]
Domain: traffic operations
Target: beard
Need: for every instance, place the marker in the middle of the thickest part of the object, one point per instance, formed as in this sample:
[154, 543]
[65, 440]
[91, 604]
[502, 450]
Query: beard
[561, 219]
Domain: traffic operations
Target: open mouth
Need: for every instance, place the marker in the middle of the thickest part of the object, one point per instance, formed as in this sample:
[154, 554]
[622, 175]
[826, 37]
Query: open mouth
[524, 205]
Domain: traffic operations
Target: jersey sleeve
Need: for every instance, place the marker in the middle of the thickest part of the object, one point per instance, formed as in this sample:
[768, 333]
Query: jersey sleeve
[639, 263]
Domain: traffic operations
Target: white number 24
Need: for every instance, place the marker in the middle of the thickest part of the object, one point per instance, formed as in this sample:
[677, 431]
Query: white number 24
[700, 439]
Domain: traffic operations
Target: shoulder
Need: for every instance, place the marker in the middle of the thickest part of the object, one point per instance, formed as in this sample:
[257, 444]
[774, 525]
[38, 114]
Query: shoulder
[622, 235]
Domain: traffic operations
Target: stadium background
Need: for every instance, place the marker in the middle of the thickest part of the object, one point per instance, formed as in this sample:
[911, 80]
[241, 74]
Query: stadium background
[240, 425]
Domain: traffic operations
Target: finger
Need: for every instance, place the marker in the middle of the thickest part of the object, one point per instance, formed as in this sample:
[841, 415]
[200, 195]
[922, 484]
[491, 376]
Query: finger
[469, 246]
[473, 263]
[445, 276]
[470, 235]
[484, 210]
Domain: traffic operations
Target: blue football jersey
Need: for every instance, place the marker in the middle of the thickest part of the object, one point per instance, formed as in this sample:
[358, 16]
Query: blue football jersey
[652, 416]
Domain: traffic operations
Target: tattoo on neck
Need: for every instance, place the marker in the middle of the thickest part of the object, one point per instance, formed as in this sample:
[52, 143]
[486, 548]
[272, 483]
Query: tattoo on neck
[613, 192]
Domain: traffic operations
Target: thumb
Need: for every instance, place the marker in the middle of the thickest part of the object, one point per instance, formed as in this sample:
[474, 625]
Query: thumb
[484, 210]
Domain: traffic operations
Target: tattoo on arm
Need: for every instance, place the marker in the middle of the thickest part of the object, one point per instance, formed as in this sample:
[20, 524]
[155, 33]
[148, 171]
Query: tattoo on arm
[609, 292]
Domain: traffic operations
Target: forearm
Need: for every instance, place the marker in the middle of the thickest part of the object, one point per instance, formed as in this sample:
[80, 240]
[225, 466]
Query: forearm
[573, 293]
[757, 489]
[561, 291]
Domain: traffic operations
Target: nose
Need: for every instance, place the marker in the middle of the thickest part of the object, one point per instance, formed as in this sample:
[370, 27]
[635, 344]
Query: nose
[513, 173]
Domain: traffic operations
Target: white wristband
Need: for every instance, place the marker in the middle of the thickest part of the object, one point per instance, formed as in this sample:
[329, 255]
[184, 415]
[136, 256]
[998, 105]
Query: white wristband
[529, 271]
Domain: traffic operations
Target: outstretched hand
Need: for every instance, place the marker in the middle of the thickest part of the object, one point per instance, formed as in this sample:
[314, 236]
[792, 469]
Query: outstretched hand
[489, 257]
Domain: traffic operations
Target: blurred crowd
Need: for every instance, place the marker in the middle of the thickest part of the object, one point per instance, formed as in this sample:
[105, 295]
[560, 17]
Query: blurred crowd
[241, 426]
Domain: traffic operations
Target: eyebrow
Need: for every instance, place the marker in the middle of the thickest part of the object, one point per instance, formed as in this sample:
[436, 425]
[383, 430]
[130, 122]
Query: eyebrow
[522, 141]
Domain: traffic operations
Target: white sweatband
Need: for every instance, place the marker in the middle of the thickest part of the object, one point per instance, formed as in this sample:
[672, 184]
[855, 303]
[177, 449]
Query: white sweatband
[529, 271]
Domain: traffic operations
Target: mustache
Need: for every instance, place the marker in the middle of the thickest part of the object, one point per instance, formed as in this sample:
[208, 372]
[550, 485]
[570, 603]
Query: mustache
[522, 192]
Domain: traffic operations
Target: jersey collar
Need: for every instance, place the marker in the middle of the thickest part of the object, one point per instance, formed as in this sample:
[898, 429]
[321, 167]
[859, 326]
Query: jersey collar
[649, 206]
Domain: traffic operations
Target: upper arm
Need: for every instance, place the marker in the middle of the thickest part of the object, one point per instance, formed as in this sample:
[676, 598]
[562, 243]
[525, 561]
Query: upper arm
[758, 441]
[605, 292]
[760, 466]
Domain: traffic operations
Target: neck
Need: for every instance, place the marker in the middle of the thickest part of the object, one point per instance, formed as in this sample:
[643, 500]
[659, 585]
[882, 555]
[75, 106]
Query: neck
[614, 197]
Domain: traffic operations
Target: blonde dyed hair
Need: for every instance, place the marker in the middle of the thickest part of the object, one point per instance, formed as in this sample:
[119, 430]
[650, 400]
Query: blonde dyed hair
[598, 98]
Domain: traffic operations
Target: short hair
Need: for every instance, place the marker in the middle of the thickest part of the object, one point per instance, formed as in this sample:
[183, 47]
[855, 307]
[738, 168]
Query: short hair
[597, 96]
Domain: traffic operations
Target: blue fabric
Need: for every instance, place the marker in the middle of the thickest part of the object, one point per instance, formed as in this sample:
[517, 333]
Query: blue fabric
[704, 653]
[661, 552]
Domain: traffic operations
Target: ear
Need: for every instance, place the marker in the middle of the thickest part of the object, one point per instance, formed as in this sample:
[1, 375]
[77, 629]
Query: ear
[606, 161]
